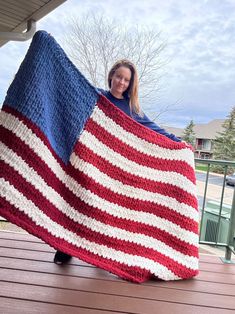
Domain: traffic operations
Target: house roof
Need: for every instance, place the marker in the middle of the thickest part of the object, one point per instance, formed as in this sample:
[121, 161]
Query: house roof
[203, 131]
[209, 130]
[14, 14]
[176, 131]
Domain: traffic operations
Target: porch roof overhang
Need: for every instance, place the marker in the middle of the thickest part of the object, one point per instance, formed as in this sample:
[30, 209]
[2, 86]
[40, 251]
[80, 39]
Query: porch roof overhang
[18, 17]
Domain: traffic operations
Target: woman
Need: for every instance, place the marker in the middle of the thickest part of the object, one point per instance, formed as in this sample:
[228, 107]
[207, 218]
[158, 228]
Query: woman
[123, 84]
[123, 93]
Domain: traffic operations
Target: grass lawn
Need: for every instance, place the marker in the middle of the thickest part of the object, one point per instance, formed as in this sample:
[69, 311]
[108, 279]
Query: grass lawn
[201, 167]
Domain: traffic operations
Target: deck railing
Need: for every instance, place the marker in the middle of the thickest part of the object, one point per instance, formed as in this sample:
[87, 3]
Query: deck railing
[217, 219]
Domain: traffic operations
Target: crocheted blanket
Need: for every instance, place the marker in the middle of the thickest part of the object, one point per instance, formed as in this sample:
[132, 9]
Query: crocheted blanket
[87, 179]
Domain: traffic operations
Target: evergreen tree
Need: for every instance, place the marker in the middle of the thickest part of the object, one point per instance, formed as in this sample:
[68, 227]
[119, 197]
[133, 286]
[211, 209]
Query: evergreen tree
[189, 134]
[224, 143]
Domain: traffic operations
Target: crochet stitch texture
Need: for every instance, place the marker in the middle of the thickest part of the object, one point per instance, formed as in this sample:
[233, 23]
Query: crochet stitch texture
[87, 179]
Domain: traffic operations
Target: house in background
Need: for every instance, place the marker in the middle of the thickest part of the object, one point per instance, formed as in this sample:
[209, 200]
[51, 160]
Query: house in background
[205, 134]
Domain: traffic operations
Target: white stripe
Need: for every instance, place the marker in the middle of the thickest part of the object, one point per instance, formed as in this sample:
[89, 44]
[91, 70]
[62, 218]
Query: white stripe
[116, 159]
[93, 200]
[139, 144]
[29, 208]
[130, 191]
[17, 127]
[49, 193]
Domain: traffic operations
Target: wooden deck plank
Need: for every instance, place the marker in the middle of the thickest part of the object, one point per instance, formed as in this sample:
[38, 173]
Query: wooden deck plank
[212, 259]
[218, 268]
[11, 306]
[17, 235]
[195, 285]
[30, 280]
[100, 301]
[92, 271]
[26, 245]
[216, 277]
[203, 275]
[120, 288]
[48, 256]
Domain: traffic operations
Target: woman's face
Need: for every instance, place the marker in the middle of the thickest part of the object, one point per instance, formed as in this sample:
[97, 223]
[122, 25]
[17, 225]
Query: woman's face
[120, 81]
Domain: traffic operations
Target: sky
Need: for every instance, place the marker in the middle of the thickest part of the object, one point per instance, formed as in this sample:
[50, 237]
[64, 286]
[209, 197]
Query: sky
[199, 80]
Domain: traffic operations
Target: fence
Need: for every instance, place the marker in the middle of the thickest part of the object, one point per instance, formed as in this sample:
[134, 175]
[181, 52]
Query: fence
[217, 223]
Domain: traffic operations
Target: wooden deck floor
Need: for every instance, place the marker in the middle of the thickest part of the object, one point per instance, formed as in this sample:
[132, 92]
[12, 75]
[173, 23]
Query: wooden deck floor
[32, 283]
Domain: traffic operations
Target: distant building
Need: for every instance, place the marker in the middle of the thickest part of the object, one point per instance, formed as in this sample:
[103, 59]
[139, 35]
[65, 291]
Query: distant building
[205, 134]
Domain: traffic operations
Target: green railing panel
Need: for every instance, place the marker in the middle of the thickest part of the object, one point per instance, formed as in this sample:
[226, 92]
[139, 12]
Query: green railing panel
[217, 218]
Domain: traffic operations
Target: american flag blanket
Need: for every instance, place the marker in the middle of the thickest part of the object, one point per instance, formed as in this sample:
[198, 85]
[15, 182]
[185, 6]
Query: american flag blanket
[88, 180]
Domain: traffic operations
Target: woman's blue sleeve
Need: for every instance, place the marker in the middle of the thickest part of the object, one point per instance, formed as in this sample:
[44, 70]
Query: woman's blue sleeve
[144, 120]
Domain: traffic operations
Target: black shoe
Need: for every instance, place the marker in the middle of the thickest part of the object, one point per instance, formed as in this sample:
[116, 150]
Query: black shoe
[61, 258]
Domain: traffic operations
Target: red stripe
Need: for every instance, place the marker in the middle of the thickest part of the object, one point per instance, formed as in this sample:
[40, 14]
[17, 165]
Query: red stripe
[135, 204]
[35, 162]
[124, 271]
[52, 212]
[116, 173]
[132, 154]
[31, 192]
[179, 193]
[136, 128]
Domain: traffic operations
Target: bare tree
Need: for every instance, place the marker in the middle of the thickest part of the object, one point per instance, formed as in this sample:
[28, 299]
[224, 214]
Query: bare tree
[95, 42]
